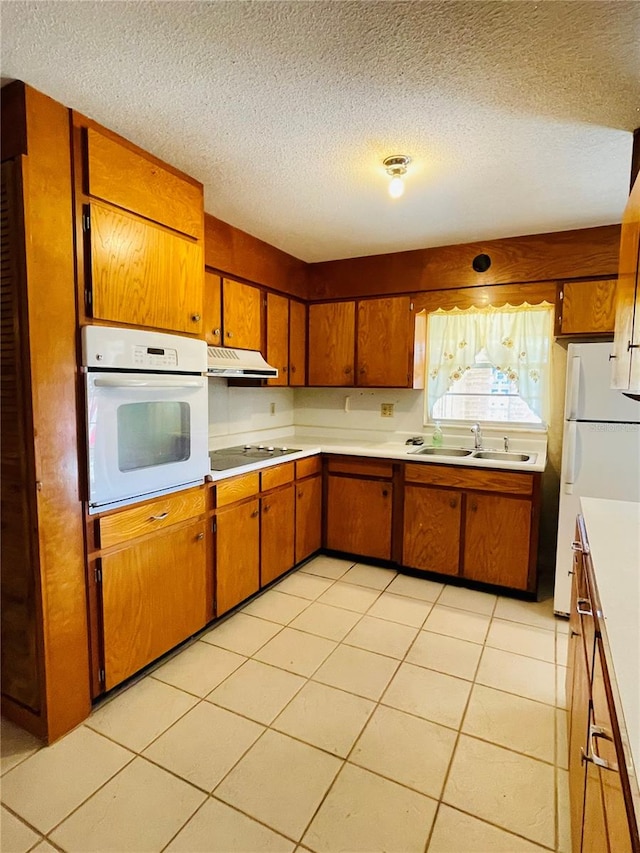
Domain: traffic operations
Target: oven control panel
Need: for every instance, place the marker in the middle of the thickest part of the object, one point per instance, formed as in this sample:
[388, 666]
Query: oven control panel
[155, 358]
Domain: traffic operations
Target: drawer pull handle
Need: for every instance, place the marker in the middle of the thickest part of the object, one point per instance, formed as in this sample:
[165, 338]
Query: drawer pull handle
[160, 517]
[597, 732]
[580, 604]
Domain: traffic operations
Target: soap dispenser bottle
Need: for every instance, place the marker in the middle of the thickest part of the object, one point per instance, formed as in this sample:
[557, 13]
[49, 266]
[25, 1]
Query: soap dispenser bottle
[437, 437]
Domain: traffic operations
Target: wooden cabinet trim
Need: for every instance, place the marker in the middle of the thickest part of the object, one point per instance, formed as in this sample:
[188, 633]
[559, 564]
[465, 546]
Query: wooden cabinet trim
[470, 479]
[309, 466]
[278, 475]
[122, 525]
[236, 488]
[360, 467]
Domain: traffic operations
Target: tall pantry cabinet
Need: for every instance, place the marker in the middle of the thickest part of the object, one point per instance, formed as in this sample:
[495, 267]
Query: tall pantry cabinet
[45, 685]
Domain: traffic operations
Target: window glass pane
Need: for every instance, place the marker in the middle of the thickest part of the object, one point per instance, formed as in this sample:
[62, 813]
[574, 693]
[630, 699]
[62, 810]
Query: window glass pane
[151, 434]
[484, 393]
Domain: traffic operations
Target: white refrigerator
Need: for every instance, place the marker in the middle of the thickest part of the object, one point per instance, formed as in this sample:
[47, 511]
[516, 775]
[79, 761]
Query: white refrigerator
[600, 449]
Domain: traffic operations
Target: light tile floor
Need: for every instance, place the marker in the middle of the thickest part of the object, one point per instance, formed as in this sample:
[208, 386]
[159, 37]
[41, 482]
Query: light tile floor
[346, 709]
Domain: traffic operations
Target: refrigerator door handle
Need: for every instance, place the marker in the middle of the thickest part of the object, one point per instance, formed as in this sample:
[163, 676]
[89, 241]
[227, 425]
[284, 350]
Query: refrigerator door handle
[573, 388]
[570, 457]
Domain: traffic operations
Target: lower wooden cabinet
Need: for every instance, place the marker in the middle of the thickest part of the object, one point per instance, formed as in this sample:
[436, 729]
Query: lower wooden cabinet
[497, 532]
[431, 537]
[602, 812]
[277, 530]
[237, 550]
[359, 508]
[154, 596]
[308, 517]
[463, 521]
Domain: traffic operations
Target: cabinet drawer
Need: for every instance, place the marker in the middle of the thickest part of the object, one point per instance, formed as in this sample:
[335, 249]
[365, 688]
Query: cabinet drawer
[151, 516]
[133, 182]
[276, 476]
[485, 480]
[309, 466]
[360, 467]
[236, 488]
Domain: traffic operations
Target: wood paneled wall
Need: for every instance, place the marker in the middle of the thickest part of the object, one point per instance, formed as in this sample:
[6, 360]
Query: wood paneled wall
[51, 342]
[233, 252]
[588, 252]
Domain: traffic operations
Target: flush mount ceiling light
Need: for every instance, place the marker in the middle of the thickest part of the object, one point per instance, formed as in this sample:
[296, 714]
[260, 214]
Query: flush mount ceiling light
[396, 167]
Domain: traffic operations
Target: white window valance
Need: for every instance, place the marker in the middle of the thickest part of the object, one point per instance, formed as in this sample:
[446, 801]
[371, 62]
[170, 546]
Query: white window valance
[516, 339]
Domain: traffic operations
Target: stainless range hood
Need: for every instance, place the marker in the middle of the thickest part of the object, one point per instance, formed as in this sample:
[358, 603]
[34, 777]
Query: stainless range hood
[238, 364]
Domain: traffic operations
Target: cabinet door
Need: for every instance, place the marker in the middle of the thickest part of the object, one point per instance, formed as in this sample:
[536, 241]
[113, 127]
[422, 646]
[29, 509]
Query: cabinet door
[385, 342]
[308, 517]
[359, 516]
[278, 337]
[242, 315]
[496, 545]
[586, 307]
[277, 534]
[297, 342]
[154, 596]
[212, 310]
[431, 536]
[625, 364]
[138, 183]
[237, 554]
[142, 275]
[332, 343]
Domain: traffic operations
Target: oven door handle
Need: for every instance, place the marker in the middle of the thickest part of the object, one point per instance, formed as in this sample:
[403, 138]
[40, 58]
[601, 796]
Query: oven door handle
[147, 383]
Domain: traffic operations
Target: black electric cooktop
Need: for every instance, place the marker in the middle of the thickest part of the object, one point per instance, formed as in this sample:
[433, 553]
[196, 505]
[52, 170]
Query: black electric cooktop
[235, 457]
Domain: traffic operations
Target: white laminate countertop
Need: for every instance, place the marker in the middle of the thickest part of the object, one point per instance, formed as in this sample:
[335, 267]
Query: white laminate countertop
[395, 449]
[613, 531]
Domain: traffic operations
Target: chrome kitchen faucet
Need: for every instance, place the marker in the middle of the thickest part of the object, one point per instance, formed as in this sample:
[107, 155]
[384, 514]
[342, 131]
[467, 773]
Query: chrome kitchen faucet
[477, 436]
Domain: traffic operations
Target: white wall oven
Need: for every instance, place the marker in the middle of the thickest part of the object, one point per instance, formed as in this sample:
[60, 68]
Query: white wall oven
[147, 414]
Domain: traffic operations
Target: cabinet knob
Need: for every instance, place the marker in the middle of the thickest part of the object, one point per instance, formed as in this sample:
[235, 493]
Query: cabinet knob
[301, 494]
[474, 507]
[285, 369]
[266, 508]
[363, 370]
[216, 332]
[195, 318]
[229, 334]
[453, 503]
[293, 368]
[347, 370]
[199, 537]
[255, 513]
[385, 492]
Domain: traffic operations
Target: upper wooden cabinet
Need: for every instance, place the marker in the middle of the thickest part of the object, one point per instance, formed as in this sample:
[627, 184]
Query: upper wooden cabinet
[278, 337]
[332, 343]
[125, 178]
[625, 359]
[297, 342]
[242, 315]
[212, 309]
[586, 307]
[141, 274]
[385, 342]
[140, 232]
[376, 335]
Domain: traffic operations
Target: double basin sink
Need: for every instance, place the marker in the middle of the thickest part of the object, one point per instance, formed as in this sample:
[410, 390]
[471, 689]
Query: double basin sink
[498, 456]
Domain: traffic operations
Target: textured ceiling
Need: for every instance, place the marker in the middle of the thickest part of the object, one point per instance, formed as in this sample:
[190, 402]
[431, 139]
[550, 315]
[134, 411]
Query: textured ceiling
[516, 114]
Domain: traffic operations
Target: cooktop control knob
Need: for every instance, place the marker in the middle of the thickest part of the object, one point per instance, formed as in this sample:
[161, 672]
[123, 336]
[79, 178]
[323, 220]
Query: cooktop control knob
[283, 449]
[261, 447]
[271, 449]
[247, 447]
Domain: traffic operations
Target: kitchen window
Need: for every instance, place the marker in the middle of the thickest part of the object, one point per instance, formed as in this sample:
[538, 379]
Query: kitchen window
[490, 364]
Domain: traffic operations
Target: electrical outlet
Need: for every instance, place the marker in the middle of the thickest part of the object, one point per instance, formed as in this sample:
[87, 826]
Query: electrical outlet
[272, 408]
[386, 410]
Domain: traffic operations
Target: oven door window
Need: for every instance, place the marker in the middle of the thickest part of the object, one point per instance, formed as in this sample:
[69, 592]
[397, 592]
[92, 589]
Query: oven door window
[152, 434]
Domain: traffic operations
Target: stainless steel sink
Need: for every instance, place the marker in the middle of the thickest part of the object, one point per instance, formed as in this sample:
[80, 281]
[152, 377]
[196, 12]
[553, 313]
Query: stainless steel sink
[502, 457]
[441, 451]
